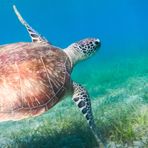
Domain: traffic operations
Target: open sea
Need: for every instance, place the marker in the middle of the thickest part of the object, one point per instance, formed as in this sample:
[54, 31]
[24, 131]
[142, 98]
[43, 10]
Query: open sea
[116, 77]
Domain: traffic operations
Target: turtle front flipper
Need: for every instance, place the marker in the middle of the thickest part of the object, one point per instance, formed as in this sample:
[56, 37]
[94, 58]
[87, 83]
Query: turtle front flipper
[82, 100]
[35, 36]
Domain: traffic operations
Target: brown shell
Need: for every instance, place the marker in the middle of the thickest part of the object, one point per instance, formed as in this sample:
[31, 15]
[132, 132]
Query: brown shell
[33, 78]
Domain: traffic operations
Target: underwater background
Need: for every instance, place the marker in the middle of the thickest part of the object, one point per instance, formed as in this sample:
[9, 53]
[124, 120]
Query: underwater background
[116, 77]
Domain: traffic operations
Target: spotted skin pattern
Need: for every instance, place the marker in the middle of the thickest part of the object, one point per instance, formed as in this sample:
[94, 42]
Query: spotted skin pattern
[35, 36]
[82, 100]
[88, 46]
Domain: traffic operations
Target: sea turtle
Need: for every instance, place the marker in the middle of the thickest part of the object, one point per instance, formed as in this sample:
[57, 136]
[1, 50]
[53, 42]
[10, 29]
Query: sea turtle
[34, 76]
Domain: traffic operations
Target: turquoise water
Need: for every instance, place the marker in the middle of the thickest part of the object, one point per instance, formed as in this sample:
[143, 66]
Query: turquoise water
[116, 77]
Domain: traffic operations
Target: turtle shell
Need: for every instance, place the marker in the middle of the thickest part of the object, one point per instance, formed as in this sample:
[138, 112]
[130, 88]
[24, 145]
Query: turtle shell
[33, 78]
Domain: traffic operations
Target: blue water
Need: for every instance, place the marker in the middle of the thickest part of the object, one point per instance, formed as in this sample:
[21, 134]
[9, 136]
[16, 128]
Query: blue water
[118, 70]
[121, 25]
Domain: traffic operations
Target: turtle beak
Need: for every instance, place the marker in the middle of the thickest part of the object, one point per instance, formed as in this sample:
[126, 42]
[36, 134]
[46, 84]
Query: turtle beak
[97, 43]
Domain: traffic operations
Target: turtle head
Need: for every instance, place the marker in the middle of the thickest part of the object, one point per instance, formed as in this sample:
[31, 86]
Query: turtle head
[82, 49]
[87, 47]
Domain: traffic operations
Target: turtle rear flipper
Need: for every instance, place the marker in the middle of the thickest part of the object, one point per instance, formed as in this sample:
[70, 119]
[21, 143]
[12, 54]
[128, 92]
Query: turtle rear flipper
[35, 36]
